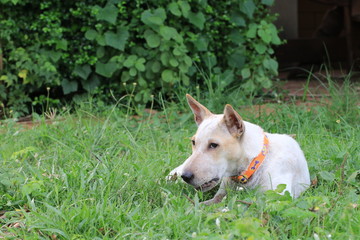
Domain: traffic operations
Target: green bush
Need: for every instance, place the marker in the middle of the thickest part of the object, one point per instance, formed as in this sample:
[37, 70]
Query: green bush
[79, 46]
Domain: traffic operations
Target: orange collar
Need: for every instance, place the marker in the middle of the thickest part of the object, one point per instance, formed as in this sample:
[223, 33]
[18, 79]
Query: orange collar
[254, 165]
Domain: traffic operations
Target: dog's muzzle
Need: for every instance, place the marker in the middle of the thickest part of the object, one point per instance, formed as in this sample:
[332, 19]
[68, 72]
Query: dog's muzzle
[208, 185]
[188, 177]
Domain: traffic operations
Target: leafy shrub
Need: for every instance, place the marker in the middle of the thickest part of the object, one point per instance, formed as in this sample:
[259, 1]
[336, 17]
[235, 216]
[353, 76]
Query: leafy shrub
[160, 45]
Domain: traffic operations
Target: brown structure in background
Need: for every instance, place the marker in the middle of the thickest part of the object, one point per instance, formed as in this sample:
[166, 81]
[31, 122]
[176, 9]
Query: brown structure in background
[319, 31]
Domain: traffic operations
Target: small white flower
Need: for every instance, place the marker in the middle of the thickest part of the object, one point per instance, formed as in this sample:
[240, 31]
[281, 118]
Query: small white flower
[224, 210]
[194, 235]
[316, 236]
[217, 222]
[239, 188]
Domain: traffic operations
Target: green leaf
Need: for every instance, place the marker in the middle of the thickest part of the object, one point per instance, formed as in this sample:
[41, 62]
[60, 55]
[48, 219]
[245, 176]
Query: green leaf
[23, 74]
[280, 188]
[237, 19]
[271, 64]
[237, 37]
[100, 52]
[149, 74]
[185, 8]
[183, 68]
[188, 61]
[167, 75]
[266, 82]
[155, 67]
[297, 213]
[173, 62]
[245, 73]
[61, 44]
[91, 34]
[69, 86]
[100, 39]
[248, 7]
[82, 71]
[227, 77]
[53, 55]
[201, 43]
[177, 51]
[91, 84]
[130, 61]
[117, 40]
[237, 59]
[260, 48]
[125, 76]
[327, 176]
[185, 79]
[267, 2]
[274, 34]
[168, 32]
[152, 39]
[174, 9]
[153, 18]
[264, 35]
[139, 65]
[31, 187]
[353, 176]
[251, 33]
[164, 57]
[198, 19]
[142, 82]
[209, 60]
[249, 86]
[138, 97]
[118, 59]
[133, 71]
[108, 13]
[105, 69]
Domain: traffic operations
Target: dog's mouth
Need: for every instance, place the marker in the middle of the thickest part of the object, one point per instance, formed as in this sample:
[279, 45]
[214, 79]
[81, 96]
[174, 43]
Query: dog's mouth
[208, 185]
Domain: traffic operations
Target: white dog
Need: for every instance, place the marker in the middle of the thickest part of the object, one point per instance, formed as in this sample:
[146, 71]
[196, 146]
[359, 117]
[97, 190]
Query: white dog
[229, 150]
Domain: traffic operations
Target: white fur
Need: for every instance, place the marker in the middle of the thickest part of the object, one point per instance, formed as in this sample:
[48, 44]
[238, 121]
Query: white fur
[284, 163]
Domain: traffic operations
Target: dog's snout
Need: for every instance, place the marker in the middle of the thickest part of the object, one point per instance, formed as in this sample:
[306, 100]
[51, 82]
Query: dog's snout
[187, 176]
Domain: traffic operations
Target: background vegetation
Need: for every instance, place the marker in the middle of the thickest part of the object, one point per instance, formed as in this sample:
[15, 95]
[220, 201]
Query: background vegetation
[54, 48]
[98, 172]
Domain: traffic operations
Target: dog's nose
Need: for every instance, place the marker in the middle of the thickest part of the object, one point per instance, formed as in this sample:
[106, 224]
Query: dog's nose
[187, 176]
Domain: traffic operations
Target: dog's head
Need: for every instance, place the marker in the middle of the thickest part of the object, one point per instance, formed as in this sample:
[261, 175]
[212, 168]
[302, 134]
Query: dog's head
[215, 146]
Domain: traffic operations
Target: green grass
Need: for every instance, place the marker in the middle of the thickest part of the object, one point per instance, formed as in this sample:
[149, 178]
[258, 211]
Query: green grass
[101, 175]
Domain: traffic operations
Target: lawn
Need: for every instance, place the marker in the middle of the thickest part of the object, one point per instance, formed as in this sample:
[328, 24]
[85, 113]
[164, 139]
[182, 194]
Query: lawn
[100, 174]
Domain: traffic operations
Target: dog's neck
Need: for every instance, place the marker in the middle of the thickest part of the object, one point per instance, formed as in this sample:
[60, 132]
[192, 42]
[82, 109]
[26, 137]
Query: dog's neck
[251, 143]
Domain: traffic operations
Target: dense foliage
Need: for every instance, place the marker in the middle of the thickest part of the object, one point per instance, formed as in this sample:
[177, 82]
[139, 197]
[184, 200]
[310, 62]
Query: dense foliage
[74, 47]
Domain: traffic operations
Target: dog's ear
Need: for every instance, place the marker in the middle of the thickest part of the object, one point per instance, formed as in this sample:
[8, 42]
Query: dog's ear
[233, 121]
[200, 112]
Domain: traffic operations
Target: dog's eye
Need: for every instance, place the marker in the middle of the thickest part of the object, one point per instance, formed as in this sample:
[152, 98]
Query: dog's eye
[213, 145]
[193, 142]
